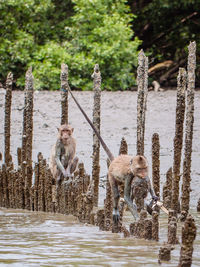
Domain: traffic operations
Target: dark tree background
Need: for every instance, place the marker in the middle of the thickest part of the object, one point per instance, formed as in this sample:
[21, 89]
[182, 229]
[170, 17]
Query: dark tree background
[166, 27]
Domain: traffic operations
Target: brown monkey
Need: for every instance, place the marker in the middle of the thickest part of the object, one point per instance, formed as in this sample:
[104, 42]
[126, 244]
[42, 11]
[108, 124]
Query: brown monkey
[62, 160]
[121, 170]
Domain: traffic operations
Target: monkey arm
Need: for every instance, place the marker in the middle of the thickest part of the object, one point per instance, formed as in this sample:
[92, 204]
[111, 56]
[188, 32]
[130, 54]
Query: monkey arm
[57, 158]
[150, 188]
[127, 190]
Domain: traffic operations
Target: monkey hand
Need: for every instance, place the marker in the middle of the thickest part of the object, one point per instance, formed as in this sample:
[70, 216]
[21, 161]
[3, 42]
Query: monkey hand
[155, 198]
[116, 216]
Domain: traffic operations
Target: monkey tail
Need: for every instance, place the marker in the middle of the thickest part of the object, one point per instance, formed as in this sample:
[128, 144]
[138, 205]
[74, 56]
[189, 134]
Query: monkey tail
[107, 150]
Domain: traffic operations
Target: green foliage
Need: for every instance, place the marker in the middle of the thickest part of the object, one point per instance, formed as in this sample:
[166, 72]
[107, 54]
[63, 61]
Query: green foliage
[23, 26]
[40, 34]
[101, 33]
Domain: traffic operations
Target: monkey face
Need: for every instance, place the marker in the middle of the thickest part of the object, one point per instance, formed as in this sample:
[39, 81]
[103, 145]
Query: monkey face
[65, 132]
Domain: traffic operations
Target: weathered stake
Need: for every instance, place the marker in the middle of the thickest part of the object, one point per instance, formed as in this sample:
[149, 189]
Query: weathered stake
[96, 121]
[64, 93]
[156, 163]
[142, 82]
[167, 190]
[188, 236]
[178, 140]
[185, 199]
[8, 101]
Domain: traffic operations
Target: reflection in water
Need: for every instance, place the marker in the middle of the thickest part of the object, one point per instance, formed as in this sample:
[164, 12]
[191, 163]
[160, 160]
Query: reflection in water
[46, 239]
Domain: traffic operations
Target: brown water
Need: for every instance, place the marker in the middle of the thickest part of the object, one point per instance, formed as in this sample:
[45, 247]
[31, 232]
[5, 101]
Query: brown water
[40, 239]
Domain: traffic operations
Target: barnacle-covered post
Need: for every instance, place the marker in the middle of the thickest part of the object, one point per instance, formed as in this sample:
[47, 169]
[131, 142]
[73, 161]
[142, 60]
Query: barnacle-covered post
[155, 225]
[41, 172]
[88, 201]
[156, 163]
[142, 82]
[24, 137]
[96, 121]
[164, 253]
[29, 115]
[172, 227]
[188, 236]
[64, 93]
[185, 199]
[178, 140]
[8, 102]
[108, 204]
[29, 135]
[122, 150]
[167, 189]
[5, 186]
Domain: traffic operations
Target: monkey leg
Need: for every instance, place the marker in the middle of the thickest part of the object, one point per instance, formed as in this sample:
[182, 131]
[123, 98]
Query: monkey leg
[116, 196]
[127, 191]
[74, 164]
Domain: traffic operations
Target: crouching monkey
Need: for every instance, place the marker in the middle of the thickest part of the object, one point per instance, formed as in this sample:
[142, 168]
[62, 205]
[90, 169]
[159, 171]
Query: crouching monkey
[140, 188]
[122, 169]
[62, 160]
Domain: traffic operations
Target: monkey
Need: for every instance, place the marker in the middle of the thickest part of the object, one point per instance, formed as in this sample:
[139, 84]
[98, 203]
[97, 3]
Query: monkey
[62, 159]
[122, 169]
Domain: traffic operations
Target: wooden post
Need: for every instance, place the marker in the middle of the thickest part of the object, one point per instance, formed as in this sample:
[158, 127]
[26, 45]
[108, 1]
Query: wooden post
[142, 82]
[188, 236]
[178, 140]
[122, 150]
[8, 101]
[155, 225]
[29, 116]
[64, 94]
[96, 121]
[156, 163]
[165, 253]
[167, 190]
[185, 199]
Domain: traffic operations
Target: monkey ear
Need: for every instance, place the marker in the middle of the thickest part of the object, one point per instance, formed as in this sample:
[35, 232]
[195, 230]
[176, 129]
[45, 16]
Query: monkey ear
[72, 130]
[57, 129]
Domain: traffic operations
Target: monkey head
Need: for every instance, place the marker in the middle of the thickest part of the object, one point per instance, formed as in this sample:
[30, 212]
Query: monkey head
[65, 132]
[139, 166]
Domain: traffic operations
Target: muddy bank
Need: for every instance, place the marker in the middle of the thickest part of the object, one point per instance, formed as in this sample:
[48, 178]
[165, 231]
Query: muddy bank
[118, 119]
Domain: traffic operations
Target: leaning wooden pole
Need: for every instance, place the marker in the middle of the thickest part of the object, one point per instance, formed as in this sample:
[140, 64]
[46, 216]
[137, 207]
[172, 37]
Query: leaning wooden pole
[96, 121]
[178, 140]
[185, 199]
[142, 83]
[64, 93]
[7, 123]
